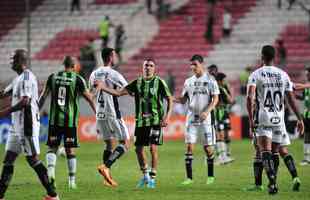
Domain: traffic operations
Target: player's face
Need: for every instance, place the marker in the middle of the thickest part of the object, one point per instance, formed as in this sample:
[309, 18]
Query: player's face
[196, 67]
[213, 71]
[16, 65]
[148, 68]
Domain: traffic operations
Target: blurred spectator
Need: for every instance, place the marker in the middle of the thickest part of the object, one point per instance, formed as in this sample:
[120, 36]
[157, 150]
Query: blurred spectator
[149, 6]
[170, 80]
[244, 76]
[281, 52]
[279, 4]
[104, 28]
[226, 23]
[308, 12]
[209, 27]
[291, 3]
[120, 38]
[87, 58]
[162, 9]
[75, 5]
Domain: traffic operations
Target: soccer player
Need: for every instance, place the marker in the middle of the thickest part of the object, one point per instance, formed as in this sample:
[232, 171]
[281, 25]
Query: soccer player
[149, 91]
[108, 116]
[213, 70]
[222, 119]
[267, 87]
[65, 87]
[24, 134]
[306, 117]
[200, 92]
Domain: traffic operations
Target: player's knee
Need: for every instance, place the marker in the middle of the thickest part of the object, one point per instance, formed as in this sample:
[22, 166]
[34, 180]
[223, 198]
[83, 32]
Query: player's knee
[209, 151]
[283, 152]
[70, 151]
[33, 161]
[153, 149]
[52, 150]
[139, 149]
[125, 144]
[9, 158]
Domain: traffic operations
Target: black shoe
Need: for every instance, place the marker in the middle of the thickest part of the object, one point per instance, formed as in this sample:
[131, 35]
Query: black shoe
[272, 189]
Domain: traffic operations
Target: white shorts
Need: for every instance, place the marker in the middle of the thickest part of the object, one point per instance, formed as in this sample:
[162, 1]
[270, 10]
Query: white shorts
[277, 134]
[29, 145]
[205, 132]
[112, 129]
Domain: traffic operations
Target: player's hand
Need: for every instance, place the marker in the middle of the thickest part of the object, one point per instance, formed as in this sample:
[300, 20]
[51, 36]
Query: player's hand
[99, 84]
[251, 129]
[300, 127]
[204, 115]
[164, 121]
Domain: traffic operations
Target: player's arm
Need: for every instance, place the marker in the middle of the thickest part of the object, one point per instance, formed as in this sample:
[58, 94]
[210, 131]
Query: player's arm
[211, 106]
[101, 86]
[291, 101]
[25, 101]
[182, 99]
[43, 96]
[228, 95]
[89, 98]
[301, 86]
[6, 92]
[250, 103]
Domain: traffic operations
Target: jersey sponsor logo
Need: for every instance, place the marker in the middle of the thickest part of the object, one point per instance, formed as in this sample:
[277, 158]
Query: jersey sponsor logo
[275, 120]
[277, 76]
[101, 115]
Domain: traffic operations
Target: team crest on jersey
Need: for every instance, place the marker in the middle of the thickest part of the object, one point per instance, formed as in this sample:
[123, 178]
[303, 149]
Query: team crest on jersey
[152, 91]
[275, 120]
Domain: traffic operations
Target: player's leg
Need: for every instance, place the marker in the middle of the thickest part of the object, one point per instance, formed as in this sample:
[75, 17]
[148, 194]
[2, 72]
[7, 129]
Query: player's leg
[227, 138]
[264, 136]
[155, 139]
[12, 150]
[290, 164]
[190, 140]
[221, 145]
[209, 135]
[32, 150]
[306, 160]
[53, 142]
[275, 157]
[71, 142]
[122, 135]
[142, 135]
[7, 171]
[257, 170]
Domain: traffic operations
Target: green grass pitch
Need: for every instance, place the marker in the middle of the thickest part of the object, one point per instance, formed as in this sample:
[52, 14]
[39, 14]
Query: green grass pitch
[230, 179]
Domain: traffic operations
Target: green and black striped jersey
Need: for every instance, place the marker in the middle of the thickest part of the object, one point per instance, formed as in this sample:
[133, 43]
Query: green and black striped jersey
[306, 95]
[65, 87]
[149, 95]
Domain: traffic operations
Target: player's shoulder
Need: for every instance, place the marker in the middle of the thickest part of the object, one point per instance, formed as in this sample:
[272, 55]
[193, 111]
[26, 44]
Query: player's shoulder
[190, 79]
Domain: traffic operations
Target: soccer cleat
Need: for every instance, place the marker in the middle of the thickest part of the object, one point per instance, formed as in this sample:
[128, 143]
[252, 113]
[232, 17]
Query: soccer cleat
[254, 188]
[304, 162]
[105, 172]
[143, 181]
[272, 189]
[210, 180]
[72, 185]
[151, 183]
[228, 160]
[47, 197]
[188, 181]
[296, 184]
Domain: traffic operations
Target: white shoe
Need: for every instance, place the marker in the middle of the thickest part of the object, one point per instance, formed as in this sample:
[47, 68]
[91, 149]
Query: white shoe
[304, 162]
[72, 185]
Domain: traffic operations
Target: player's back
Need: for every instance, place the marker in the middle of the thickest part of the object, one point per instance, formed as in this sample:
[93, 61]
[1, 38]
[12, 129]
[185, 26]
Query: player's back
[66, 87]
[271, 85]
[106, 104]
[27, 119]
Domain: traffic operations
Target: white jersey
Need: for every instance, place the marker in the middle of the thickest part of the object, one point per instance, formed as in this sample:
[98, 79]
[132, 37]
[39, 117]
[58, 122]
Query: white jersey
[106, 104]
[271, 84]
[25, 122]
[199, 92]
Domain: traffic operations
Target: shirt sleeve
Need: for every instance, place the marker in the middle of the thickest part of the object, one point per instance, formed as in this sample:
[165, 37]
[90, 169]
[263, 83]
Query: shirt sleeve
[252, 80]
[26, 86]
[132, 87]
[184, 90]
[8, 88]
[91, 80]
[214, 88]
[81, 84]
[163, 88]
[119, 80]
[288, 83]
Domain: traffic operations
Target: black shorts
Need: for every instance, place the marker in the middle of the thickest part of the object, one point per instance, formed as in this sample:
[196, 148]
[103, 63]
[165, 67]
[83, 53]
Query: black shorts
[307, 130]
[68, 134]
[144, 136]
